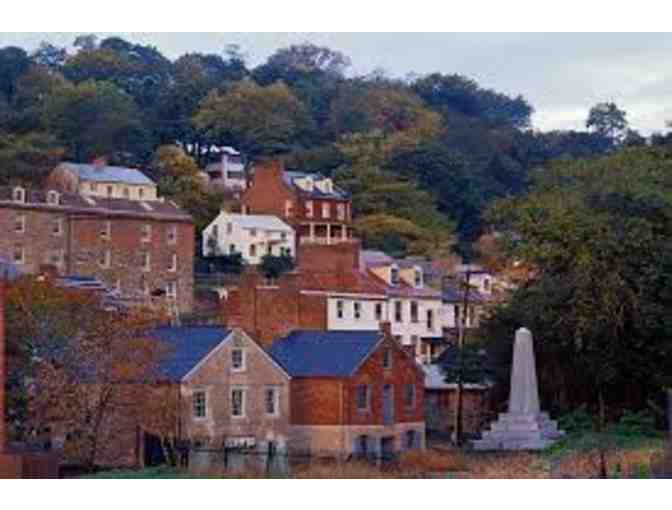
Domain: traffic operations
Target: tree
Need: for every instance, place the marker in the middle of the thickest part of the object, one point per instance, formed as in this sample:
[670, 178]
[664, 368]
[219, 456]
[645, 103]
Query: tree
[274, 266]
[27, 159]
[93, 119]
[260, 121]
[13, 63]
[607, 120]
[596, 234]
[49, 56]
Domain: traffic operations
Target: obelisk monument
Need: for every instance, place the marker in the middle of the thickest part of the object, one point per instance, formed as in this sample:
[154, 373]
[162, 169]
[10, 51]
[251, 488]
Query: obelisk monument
[524, 426]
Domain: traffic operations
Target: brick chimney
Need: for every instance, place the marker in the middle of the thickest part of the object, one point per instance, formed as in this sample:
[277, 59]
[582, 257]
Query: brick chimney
[3, 367]
[274, 167]
[386, 329]
[99, 162]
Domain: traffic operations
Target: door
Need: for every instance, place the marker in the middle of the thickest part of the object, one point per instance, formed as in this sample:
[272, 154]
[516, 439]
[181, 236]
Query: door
[388, 404]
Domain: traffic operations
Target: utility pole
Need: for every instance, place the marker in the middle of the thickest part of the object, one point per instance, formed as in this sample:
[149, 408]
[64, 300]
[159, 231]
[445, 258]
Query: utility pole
[461, 334]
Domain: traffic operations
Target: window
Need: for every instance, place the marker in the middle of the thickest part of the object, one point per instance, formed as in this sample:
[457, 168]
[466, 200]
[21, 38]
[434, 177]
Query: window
[238, 402]
[141, 193]
[57, 227]
[362, 395]
[410, 439]
[269, 249]
[229, 228]
[430, 319]
[271, 401]
[339, 309]
[387, 358]
[418, 278]
[357, 310]
[106, 230]
[379, 311]
[19, 255]
[409, 396]
[93, 186]
[53, 197]
[172, 234]
[394, 275]
[199, 403]
[289, 208]
[146, 261]
[340, 211]
[326, 209]
[105, 259]
[283, 236]
[110, 190]
[253, 232]
[55, 257]
[486, 284]
[309, 209]
[253, 250]
[171, 290]
[238, 360]
[146, 233]
[362, 445]
[215, 231]
[19, 195]
[173, 263]
[127, 193]
[232, 249]
[397, 311]
[414, 311]
[20, 224]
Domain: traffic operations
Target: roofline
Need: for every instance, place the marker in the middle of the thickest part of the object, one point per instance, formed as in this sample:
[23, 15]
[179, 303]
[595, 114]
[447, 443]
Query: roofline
[342, 294]
[264, 352]
[381, 339]
[205, 358]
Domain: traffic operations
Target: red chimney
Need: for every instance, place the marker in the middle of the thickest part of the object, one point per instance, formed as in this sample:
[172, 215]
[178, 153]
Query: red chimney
[100, 162]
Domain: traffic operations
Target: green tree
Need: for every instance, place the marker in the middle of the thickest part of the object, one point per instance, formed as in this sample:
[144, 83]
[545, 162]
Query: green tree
[13, 63]
[260, 121]
[27, 158]
[607, 120]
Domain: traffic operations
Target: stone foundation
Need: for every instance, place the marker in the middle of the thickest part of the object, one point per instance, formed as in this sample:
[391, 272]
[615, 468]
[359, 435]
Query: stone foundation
[514, 431]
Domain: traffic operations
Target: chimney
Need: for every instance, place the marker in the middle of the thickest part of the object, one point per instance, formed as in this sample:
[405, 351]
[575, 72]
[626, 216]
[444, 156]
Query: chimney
[269, 167]
[3, 366]
[386, 329]
[99, 162]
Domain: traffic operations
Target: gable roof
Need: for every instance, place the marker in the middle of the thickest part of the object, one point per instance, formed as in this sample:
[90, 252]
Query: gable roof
[188, 345]
[258, 221]
[290, 176]
[309, 353]
[106, 173]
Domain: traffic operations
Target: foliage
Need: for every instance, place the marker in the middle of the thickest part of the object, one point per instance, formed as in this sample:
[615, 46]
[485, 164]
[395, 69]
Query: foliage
[607, 120]
[27, 159]
[274, 266]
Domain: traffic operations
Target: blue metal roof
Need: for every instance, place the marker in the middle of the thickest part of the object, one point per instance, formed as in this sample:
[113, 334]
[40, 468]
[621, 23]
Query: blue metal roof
[307, 353]
[188, 346]
[109, 174]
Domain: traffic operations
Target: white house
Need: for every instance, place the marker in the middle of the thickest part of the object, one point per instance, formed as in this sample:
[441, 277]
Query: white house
[252, 235]
[229, 171]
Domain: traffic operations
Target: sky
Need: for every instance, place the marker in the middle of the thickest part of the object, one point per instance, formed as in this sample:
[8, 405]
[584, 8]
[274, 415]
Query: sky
[560, 74]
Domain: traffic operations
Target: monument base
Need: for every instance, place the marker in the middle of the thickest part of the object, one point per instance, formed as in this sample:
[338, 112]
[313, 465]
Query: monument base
[28, 464]
[514, 431]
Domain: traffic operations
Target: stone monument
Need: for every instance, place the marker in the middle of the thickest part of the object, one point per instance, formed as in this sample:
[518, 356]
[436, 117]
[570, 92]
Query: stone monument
[524, 426]
[17, 461]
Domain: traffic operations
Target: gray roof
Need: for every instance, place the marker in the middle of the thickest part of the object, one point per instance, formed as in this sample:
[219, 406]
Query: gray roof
[451, 294]
[188, 346]
[108, 173]
[259, 221]
[290, 176]
[308, 353]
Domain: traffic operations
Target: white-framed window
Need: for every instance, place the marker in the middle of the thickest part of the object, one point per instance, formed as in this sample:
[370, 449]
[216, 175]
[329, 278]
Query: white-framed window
[379, 311]
[106, 230]
[253, 250]
[309, 209]
[20, 223]
[229, 228]
[93, 186]
[398, 312]
[232, 249]
[430, 319]
[283, 236]
[418, 278]
[146, 233]
[105, 260]
[340, 308]
[394, 275]
[172, 267]
[486, 284]
[272, 401]
[340, 211]
[127, 193]
[289, 209]
[110, 191]
[215, 232]
[387, 358]
[146, 261]
[200, 404]
[410, 439]
[237, 402]
[141, 193]
[409, 396]
[171, 235]
[363, 397]
[171, 290]
[57, 227]
[238, 361]
[56, 257]
[19, 195]
[53, 197]
[357, 309]
[326, 209]
[414, 311]
[19, 254]
[253, 232]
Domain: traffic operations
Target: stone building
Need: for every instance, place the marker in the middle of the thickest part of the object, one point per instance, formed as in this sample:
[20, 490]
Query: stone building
[319, 211]
[352, 393]
[137, 247]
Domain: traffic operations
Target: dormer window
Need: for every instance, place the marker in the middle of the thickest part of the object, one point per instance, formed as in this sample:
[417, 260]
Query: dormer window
[19, 195]
[309, 184]
[53, 197]
[486, 284]
[394, 275]
[418, 278]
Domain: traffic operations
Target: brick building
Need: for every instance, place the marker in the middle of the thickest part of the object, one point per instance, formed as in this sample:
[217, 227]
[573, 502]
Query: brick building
[352, 393]
[136, 247]
[319, 211]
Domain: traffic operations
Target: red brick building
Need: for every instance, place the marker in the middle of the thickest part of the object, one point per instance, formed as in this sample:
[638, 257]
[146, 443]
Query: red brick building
[319, 211]
[352, 393]
[136, 247]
